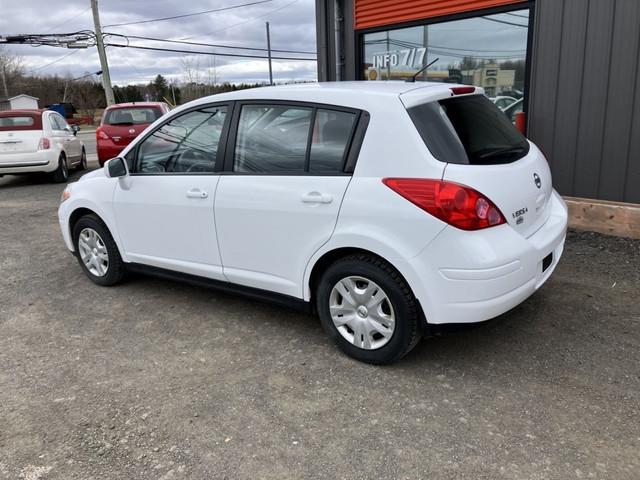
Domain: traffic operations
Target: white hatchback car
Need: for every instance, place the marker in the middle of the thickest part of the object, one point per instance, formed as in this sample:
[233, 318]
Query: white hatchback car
[387, 208]
[33, 141]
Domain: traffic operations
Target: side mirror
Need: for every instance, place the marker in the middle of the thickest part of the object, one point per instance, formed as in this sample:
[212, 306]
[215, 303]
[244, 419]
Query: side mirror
[75, 129]
[116, 168]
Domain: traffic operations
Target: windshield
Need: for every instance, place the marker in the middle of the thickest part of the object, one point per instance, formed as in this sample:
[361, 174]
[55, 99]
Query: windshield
[468, 130]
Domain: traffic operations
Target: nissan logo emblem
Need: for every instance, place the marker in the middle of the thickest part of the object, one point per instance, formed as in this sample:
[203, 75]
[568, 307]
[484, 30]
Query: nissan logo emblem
[536, 178]
[133, 131]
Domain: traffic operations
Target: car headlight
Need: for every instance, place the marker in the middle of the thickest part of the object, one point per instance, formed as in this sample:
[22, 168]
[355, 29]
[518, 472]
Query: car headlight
[66, 193]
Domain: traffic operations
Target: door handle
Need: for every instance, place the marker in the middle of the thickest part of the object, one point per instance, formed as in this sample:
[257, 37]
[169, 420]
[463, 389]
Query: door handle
[317, 197]
[197, 193]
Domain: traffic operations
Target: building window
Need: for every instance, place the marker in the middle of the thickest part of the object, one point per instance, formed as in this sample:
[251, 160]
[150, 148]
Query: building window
[488, 51]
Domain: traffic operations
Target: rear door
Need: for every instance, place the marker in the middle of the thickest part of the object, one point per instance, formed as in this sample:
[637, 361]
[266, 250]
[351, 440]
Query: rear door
[279, 200]
[484, 151]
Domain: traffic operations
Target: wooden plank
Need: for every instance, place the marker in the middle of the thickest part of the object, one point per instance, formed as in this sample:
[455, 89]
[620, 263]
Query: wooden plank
[612, 218]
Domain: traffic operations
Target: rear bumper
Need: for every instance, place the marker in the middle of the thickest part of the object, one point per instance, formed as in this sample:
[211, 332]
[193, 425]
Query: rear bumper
[107, 150]
[480, 275]
[38, 161]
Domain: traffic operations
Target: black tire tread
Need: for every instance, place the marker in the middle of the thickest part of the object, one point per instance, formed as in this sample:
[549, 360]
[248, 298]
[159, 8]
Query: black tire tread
[415, 335]
[57, 174]
[116, 265]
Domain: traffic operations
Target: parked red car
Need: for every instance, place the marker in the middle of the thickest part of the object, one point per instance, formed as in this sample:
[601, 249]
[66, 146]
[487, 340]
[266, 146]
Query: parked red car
[123, 122]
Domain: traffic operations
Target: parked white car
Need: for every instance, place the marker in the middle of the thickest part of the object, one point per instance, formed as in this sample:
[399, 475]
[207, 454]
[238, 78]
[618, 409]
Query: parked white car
[503, 102]
[387, 208]
[34, 141]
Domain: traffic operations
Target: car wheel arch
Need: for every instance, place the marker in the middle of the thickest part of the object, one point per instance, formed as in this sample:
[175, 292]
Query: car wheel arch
[78, 213]
[328, 258]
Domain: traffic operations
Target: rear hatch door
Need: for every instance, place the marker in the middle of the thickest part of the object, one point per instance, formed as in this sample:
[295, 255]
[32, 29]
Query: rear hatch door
[125, 124]
[521, 189]
[20, 133]
[483, 150]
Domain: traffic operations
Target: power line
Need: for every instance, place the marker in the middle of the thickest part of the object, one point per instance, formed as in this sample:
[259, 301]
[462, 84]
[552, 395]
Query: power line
[188, 14]
[238, 55]
[55, 61]
[216, 46]
[71, 19]
[242, 23]
[506, 23]
[57, 83]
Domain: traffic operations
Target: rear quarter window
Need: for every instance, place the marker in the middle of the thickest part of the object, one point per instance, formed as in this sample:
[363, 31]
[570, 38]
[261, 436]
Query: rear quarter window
[468, 130]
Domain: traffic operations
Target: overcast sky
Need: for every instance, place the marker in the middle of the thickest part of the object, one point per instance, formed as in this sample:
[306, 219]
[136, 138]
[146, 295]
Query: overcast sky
[292, 26]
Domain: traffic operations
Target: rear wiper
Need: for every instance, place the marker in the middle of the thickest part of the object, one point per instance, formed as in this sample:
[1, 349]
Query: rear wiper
[123, 123]
[502, 151]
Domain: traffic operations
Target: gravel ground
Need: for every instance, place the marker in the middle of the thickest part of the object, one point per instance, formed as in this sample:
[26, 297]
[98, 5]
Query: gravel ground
[157, 380]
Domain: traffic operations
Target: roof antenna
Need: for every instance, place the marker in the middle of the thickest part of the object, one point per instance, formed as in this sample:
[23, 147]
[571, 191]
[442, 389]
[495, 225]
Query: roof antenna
[412, 79]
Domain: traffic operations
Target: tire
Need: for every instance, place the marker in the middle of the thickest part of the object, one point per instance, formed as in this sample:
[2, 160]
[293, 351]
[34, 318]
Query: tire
[61, 174]
[349, 291]
[83, 162]
[97, 252]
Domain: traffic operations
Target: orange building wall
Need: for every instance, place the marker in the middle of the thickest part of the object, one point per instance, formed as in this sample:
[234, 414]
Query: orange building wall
[375, 13]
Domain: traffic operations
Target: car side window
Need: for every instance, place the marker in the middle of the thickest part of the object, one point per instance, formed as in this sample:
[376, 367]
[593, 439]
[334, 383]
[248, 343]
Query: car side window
[331, 133]
[186, 144]
[272, 139]
[56, 123]
[292, 139]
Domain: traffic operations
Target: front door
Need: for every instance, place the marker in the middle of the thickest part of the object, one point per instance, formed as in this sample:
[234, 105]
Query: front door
[165, 213]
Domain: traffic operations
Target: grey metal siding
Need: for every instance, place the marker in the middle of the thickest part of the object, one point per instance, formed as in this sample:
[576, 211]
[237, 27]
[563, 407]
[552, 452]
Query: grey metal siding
[584, 109]
[325, 40]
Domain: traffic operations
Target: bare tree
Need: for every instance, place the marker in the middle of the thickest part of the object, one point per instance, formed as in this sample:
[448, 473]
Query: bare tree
[11, 70]
[198, 80]
[87, 96]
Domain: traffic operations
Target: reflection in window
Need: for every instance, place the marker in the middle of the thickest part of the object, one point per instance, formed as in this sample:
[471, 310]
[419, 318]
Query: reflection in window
[487, 51]
[186, 144]
[272, 139]
[332, 131]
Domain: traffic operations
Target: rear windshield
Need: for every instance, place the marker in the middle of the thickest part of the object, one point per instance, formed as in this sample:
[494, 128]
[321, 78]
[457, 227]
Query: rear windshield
[131, 116]
[468, 130]
[20, 122]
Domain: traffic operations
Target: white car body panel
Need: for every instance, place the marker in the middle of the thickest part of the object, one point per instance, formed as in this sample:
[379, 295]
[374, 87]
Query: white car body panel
[512, 187]
[167, 221]
[269, 226]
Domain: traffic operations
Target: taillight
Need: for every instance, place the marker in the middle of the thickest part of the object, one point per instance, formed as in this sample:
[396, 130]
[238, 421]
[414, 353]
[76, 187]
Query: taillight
[463, 90]
[455, 204]
[101, 135]
[44, 144]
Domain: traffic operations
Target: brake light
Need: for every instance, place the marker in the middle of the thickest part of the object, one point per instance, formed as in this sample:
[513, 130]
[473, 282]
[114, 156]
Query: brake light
[44, 144]
[101, 135]
[454, 204]
[463, 90]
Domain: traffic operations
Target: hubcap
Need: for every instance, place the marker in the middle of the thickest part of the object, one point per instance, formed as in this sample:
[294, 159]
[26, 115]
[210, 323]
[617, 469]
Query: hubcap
[93, 252]
[362, 313]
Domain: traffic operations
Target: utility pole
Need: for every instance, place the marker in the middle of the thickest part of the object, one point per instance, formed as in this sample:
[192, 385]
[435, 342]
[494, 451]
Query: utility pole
[106, 78]
[269, 52]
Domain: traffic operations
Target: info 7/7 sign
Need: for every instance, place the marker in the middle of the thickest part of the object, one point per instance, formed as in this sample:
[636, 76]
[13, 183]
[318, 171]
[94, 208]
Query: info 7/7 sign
[411, 57]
